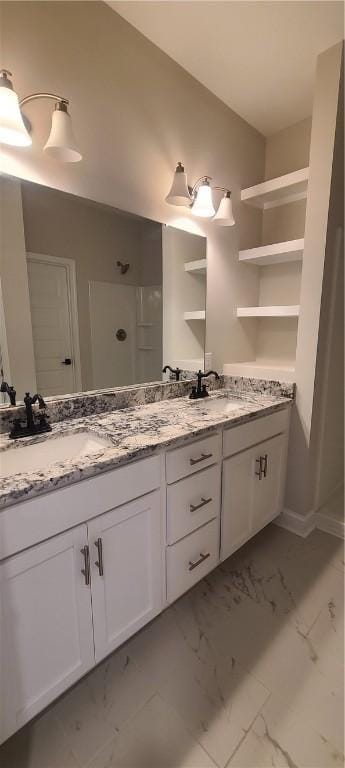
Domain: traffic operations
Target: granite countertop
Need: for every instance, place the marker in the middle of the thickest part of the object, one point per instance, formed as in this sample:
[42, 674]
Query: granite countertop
[134, 433]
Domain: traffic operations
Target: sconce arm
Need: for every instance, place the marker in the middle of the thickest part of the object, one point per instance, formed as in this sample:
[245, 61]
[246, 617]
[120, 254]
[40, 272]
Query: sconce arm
[192, 190]
[222, 189]
[53, 96]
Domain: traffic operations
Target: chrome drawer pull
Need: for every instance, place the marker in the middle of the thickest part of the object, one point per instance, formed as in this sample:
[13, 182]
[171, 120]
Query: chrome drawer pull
[198, 562]
[86, 570]
[194, 507]
[265, 464]
[203, 457]
[262, 466]
[99, 562]
[259, 473]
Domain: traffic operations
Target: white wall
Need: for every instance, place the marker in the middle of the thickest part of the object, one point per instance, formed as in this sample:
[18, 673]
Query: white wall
[328, 426]
[136, 113]
[15, 314]
[301, 475]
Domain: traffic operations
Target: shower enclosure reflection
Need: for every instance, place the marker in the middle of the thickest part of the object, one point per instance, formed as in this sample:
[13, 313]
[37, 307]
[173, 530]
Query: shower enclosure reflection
[93, 297]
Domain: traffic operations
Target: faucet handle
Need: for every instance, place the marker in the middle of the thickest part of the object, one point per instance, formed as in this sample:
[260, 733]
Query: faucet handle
[193, 395]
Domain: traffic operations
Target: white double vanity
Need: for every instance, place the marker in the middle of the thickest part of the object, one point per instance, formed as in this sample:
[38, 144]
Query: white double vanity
[84, 566]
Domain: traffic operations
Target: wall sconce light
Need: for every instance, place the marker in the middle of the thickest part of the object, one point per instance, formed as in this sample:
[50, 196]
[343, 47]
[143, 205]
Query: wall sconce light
[61, 144]
[203, 203]
[199, 198]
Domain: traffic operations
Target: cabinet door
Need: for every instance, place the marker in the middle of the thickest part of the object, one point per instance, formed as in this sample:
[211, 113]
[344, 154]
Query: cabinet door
[237, 501]
[269, 490]
[126, 565]
[47, 640]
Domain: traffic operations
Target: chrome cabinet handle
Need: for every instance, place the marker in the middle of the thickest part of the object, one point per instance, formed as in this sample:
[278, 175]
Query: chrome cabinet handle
[203, 457]
[263, 464]
[259, 473]
[264, 460]
[194, 507]
[99, 562]
[198, 562]
[86, 570]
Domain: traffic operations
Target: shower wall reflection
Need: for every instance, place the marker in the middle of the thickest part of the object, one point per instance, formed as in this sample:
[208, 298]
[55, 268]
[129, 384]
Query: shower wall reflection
[82, 294]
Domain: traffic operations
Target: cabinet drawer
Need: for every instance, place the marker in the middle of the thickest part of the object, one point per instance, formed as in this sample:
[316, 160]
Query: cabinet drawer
[239, 438]
[191, 559]
[192, 502]
[190, 458]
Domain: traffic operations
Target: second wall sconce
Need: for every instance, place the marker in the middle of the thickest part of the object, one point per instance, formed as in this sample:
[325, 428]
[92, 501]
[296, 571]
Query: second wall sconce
[199, 198]
[61, 144]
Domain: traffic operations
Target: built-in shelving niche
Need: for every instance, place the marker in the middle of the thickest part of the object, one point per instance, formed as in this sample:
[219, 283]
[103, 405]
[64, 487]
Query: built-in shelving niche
[277, 322]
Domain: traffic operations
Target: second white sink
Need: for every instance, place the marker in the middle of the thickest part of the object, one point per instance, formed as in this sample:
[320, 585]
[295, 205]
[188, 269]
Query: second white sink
[219, 404]
[30, 458]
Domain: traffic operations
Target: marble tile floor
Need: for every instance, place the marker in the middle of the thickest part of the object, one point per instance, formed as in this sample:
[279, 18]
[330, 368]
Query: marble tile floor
[245, 671]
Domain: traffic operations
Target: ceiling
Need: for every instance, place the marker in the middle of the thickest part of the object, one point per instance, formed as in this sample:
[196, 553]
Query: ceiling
[256, 56]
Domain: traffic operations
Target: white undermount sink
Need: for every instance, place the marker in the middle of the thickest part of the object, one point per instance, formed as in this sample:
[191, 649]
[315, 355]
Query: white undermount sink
[219, 405]
[37, 456]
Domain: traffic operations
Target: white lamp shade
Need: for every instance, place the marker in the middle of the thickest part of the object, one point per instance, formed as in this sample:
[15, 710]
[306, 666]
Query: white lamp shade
[203, 205]
[224, 216]
[12, 128]
[179, 192]
[61, 144]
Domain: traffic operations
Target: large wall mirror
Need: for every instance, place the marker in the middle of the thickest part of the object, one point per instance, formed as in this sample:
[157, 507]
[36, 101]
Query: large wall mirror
[92, 297]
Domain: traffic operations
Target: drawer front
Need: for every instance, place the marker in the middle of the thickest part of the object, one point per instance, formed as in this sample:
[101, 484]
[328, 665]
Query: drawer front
[191, 559]
[190, 458]
[192, 502]
[245, 435]
[32, 521]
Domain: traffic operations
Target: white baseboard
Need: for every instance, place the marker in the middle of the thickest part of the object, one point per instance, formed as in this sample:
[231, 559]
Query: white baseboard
[330, 517]
[330, 525]
[295, 523]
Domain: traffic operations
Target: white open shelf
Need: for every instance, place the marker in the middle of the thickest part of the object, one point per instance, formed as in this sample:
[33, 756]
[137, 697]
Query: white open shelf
[196, 315]
[144, 325]
[291, 310]
[283, 189]
[261, 369]
[198, 266]
[290, 250]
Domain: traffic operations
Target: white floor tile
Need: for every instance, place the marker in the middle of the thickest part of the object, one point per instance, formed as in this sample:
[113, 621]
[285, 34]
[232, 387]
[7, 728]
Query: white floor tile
[94, 711]
[155, 738]
[293, 585]
[40, 744]
[159, 648]
[283, 738]
[217, 701]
